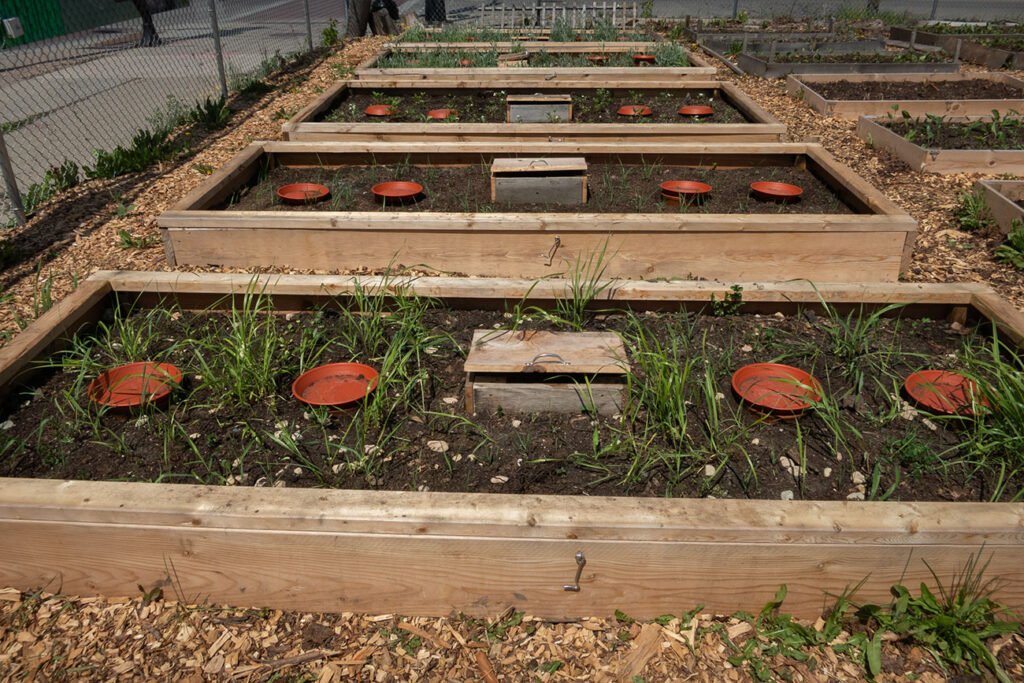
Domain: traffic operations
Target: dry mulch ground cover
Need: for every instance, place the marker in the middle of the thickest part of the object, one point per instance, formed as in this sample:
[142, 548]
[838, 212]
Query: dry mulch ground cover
[44, 636]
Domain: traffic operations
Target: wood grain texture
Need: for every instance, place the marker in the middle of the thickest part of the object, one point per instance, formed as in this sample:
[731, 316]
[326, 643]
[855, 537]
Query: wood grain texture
[582, 352]
[943, 161]
[480, 553]
[531, 398]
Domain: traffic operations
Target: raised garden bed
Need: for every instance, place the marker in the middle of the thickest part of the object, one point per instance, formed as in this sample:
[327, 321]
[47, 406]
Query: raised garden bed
[847, 230]
[977, 44]
[949, 145]
[618, 67]
[339, 113]
[918, 94]
[320, 549]
[1005, 198]
[787, 61]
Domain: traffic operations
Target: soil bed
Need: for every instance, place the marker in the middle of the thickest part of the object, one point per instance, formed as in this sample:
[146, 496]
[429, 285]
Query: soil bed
[414, 433]
[612, 189]
[857, 58]
[972, 89]
[448, 59]
[938, 134]
[489, 106]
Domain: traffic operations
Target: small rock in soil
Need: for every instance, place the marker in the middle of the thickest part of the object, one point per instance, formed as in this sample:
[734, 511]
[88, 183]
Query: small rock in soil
[827, 472]
[858, 477]
[856, 495]
[516, 423]
[422, 487]
[779, 315]
[450, 400]
[755, 442]
[297, 471]
[786, 495]
[7, 425]
[438, 446]
[500, 479]
[279, 484]
[929, 424]
[709, 470]
[373, 449]
[746, 348]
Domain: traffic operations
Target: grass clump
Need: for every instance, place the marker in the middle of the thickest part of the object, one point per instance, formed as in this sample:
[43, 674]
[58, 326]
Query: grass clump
[1012, 252]
[972, 212]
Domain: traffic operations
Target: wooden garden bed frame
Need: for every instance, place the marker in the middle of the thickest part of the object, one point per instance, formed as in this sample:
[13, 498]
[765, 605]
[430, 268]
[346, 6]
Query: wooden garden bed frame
[1002, 197]
[803, 86]
[586, 46]
[944, 161]
[968, 49]
[607, 76]
[761, 126]
[754, 64]
[432, 553]
[873, 245]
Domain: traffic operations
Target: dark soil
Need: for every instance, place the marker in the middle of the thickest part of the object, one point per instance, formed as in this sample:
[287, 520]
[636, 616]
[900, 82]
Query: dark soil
[612, 189]
[970, 89]
[525, 453]
[489, 106]
[947, 135]
[858, 58]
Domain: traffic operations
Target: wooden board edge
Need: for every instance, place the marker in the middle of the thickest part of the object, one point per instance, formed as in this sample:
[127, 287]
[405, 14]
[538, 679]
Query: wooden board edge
[211, 188]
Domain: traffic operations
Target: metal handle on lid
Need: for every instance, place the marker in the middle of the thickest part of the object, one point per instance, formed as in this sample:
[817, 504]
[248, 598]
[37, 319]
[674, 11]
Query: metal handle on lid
[546, 355]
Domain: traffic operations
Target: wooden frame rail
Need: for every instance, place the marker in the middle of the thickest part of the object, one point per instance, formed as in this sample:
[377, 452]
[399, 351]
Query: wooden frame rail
[431, 553]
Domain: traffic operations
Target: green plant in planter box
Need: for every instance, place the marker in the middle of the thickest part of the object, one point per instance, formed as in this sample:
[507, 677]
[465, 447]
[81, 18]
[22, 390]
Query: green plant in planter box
[1013, 251]
[972, 212]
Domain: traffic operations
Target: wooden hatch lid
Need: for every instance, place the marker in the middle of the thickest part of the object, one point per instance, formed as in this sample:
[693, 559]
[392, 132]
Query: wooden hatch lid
[539, 97]
[538, 165]
[584, 353]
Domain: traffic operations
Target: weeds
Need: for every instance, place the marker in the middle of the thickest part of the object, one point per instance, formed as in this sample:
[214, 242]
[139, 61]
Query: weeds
[972, 211]
[1012, 252]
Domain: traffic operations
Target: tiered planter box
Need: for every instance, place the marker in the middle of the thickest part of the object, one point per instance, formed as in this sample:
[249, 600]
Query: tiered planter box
[805, 87]
[872, 243]
[606, 76]
[306, 125]
[1006, 200]
[943, 161]
[425, 553]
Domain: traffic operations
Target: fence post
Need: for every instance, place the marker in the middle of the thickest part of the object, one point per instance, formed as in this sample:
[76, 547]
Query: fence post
[215, 28]
[935, 9]
[309, 26]
[735, 8]
[12, 186]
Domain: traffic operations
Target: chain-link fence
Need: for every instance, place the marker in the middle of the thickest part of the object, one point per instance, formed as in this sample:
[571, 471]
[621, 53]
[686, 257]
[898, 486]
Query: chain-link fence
[82, 75]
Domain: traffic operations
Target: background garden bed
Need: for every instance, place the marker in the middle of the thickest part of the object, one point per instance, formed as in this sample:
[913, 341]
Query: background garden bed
[1005, 198]
[935, 158]
[883, 62]
[870, 238]
[519, 550]
[737, 117]
[919, 94]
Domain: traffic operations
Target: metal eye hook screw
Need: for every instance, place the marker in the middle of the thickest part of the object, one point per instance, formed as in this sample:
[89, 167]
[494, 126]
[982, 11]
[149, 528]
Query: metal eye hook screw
[581, 562]
[550, 256]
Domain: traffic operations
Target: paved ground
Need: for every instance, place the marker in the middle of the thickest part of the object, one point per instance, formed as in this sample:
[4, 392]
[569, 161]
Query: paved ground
[94, 89]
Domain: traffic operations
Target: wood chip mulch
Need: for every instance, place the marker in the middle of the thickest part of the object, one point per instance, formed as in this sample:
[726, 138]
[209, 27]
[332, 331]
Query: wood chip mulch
[49, 637]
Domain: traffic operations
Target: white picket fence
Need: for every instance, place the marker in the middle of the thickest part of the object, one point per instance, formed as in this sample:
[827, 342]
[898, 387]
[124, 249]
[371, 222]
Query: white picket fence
[544, 15]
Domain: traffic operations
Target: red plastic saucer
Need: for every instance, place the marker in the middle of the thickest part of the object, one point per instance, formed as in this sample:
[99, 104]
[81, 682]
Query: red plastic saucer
[643, 59]
[441, 114]
[696, 110]
[134, 384]
[380, 110]
[776, 388]
[336, 384]
[303, 193]
[944, 392]
[776, 191]
[397, 189]
[634, 110]
[685, 188]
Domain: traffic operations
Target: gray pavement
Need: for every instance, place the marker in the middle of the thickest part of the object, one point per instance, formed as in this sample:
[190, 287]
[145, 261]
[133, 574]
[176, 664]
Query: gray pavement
[94, 89]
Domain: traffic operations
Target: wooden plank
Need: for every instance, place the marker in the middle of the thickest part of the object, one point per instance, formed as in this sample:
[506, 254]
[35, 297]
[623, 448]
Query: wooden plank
[609, 76]
[44, 334]
[1005, 198]
[530, 398]
[588, 353]
[1008, 319]
[822, 256]
[222, 182]
[537, 165]
[481, 553]
[943, 161]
